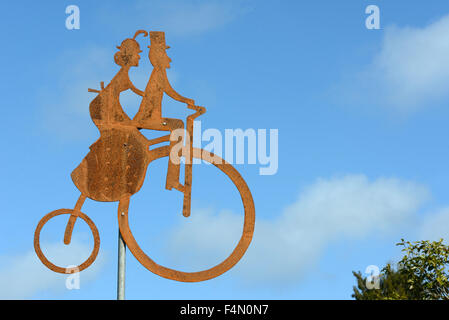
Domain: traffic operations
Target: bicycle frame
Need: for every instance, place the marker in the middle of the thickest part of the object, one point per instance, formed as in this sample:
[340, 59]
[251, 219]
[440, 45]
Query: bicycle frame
[188, 138]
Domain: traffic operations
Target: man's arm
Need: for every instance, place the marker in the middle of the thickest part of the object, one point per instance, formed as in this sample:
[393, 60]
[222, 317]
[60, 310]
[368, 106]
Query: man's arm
[172, 93]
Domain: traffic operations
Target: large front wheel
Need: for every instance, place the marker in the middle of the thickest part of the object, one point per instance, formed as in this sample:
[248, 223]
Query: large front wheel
[229, 262]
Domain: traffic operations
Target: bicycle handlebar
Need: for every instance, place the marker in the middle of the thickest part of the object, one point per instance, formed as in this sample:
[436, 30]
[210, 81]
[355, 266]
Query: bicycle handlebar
[199, 111]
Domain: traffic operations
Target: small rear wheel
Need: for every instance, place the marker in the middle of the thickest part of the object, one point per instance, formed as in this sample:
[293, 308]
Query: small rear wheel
[54, 267]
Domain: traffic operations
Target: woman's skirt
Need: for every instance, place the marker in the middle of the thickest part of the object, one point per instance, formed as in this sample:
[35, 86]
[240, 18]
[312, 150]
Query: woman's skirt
[115, 166]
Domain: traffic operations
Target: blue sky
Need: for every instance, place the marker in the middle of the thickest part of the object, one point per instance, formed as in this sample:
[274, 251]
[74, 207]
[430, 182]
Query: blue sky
[362, 127]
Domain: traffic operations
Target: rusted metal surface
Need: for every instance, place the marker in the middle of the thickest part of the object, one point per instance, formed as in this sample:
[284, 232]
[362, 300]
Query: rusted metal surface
[60, 269]
[116, 165]
[117, 162]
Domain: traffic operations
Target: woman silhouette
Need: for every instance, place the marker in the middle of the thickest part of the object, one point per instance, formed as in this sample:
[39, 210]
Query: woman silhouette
[117, 161]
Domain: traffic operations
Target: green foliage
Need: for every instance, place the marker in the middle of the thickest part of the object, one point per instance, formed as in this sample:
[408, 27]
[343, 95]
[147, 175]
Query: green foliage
[422, 274]
[392, 286]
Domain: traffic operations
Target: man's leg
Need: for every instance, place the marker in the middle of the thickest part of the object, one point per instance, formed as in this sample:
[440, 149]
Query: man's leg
[173, 170]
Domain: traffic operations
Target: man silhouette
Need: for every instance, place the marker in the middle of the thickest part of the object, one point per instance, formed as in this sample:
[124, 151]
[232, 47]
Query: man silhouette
[149, 115]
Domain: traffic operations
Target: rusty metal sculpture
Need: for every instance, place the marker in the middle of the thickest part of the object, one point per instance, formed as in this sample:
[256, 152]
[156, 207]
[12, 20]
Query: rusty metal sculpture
[116, 165]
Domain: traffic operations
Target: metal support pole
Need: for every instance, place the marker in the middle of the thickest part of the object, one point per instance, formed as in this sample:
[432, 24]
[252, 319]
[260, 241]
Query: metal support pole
[121, 268]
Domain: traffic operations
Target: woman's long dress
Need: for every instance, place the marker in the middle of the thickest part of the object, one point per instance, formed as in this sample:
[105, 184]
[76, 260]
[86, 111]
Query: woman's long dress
[117, 162]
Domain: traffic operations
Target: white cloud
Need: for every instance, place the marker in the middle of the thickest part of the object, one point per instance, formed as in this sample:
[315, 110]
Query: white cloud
[284, 248]
[435, 226]
[412, 68]
[409, 72]
[23, 276]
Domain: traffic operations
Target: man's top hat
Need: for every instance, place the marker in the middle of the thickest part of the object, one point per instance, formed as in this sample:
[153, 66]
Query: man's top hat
[157, 39]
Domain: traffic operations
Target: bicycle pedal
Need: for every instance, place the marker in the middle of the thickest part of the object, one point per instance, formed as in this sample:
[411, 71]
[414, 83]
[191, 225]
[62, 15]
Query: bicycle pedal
[180, 188]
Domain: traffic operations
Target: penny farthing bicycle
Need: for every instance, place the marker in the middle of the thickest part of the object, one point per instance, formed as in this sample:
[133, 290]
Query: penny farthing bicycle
[139, 254]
